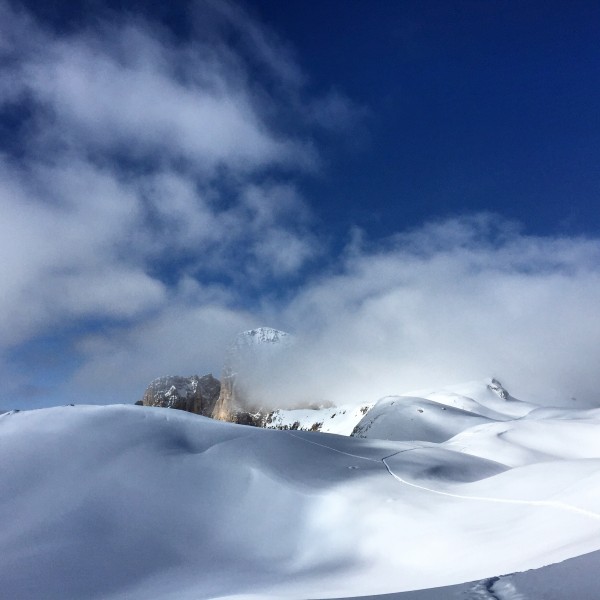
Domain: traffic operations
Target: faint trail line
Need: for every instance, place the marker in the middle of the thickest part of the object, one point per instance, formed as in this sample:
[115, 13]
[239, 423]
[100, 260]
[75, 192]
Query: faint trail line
[336, 450]
[547, 503]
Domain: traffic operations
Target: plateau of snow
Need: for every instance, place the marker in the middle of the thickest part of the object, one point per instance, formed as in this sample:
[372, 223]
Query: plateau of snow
[126, 502]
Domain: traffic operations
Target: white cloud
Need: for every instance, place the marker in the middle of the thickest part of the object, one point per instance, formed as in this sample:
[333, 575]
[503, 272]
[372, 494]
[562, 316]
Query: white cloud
[127, 86]
[62, 233]
[178, 341]
[145, 111]
[218, 19]
[450, 302]
[115, 172]
[151, 184]
[454, 301]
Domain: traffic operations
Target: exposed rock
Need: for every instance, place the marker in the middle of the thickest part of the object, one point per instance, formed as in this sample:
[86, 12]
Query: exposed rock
[496, 387]
[193, 394]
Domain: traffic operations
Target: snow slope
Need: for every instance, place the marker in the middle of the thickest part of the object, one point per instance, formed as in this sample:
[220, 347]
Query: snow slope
[427, 415]
[134, 503]
[407, 418]
[437, 416]
[334, 419]
[573, 579]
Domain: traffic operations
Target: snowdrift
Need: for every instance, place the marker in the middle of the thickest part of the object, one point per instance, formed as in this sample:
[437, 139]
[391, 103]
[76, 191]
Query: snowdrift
[123, 502]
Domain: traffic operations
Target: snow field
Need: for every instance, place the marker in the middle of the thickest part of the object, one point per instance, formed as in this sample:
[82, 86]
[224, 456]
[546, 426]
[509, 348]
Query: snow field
[133, 503]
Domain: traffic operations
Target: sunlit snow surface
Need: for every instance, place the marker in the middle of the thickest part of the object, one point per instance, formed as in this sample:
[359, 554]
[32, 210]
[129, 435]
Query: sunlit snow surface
[124, 502]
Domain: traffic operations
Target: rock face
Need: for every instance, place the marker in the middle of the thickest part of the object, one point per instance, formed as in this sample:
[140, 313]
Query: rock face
[248, 369]
[193, 394]
[496, 387]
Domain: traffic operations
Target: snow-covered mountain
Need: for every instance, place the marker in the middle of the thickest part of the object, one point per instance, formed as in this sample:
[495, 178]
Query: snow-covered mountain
[248, 394]
[259, 340]
[433, 494]
[133, 503]
[433, 416]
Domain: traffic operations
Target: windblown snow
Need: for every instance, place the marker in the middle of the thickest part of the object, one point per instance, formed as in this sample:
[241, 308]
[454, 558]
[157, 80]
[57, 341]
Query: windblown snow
[434, 489]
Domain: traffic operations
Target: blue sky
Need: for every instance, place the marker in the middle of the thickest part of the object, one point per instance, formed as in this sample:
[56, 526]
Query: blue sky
[473, 106]
[411, 187]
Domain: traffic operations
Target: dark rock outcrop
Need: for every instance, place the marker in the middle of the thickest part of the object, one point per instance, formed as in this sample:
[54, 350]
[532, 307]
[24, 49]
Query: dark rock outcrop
[496, 387]
[193, 394]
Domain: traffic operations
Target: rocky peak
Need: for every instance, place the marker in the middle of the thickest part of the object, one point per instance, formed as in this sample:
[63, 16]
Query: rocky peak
[251, 362]
[193, 394]
[255, 346]
[496, 387]
[261, 335]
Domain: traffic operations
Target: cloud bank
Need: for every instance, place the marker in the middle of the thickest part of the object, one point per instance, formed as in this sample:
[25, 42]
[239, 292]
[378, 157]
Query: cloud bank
[135, 166]
[454, 301]
[152, 207]
[133, 160]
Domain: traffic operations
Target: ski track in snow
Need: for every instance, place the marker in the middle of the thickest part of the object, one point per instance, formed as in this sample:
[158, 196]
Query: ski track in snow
[495, 588]
[547, 503]
[544, 503]
[338, 451]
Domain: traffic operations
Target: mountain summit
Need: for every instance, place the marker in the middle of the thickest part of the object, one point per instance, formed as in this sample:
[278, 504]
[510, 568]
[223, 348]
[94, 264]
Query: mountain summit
[192, 394]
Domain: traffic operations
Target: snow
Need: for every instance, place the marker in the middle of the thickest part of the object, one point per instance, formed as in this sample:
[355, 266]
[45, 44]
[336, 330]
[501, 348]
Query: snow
[436, 416]
[407, 418]
[571, 579]
[335, 419]
[259, 340]
[124, 502]
[262, 335]
[484, 398]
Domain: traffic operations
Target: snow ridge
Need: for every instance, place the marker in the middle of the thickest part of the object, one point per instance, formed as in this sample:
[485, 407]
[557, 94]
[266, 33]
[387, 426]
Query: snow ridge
[135, 503]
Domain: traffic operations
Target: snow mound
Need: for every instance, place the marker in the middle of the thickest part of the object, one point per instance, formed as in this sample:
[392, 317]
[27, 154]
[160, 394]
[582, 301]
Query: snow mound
[436, 416]
[135, 503]
[405, 418]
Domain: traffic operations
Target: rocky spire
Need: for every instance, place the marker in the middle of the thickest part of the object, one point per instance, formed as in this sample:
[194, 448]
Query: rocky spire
[193, 394]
